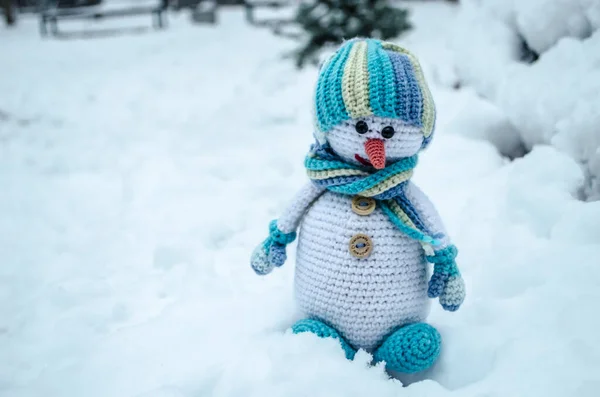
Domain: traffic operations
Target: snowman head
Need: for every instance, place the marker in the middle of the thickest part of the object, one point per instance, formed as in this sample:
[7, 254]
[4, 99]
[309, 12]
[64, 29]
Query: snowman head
[372, 104]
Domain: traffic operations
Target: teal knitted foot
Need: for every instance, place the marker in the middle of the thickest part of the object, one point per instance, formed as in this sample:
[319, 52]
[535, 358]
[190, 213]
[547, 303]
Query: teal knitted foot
[412, 348]
[323, 330]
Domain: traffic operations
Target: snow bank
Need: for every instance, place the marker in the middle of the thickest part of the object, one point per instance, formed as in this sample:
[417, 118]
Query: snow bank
[555, 99]
[484, 46]
[542, 23]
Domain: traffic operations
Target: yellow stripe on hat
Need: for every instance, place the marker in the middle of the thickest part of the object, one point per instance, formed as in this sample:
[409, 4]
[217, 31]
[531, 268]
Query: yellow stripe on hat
[355, 82]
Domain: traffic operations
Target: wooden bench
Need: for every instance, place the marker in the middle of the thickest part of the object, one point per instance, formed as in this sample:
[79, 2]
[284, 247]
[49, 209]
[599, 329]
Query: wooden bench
[251, 5]
[51, 14]
[202, 11]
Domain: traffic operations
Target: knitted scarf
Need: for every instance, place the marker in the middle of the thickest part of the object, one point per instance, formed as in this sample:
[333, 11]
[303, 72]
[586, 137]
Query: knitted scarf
[386, 186]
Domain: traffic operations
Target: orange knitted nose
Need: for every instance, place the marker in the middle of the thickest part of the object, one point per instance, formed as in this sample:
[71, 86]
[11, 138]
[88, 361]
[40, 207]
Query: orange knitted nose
[376, 152]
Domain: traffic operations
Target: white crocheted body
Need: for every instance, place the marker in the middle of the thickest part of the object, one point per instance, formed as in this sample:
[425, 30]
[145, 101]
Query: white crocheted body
[364, 299]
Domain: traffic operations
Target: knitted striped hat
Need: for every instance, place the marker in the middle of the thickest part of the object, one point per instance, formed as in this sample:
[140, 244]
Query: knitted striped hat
[367, 77]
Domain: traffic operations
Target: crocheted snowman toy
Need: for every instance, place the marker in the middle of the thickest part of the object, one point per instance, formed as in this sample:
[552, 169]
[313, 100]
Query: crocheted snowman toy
[367, 233]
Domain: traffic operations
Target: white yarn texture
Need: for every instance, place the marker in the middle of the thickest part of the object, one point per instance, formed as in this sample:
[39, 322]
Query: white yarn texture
[346, 142]
[288, 221]
[364, 299]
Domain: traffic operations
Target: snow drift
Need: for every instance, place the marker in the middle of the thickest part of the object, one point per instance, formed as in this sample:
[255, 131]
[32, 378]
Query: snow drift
[553, 100]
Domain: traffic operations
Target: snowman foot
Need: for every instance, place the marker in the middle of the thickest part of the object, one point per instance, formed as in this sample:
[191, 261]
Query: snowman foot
[323, 330]
[412, 348]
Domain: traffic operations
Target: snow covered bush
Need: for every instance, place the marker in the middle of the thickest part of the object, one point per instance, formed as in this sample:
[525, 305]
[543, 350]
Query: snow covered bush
[556, 98]
[332, 21]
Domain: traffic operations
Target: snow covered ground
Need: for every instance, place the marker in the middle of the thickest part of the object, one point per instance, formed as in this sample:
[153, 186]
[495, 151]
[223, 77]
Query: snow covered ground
[138, 172]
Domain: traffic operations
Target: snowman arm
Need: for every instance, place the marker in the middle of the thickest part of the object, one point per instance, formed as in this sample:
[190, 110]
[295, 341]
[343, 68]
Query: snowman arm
[290, 219]
[446, 281]
[428, 214]
[271, 252]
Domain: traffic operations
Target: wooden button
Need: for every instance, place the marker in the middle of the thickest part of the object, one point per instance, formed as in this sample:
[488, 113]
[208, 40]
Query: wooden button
[360, 246]
[363, 205]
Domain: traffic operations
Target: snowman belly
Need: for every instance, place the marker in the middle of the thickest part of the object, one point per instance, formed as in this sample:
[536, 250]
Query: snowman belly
[363, 298]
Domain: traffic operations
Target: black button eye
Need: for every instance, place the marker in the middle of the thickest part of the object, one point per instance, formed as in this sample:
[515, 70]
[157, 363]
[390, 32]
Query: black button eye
[361, 127]
[388, 132]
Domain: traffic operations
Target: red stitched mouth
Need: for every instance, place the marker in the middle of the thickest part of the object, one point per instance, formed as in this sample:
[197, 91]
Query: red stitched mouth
[363, 161]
